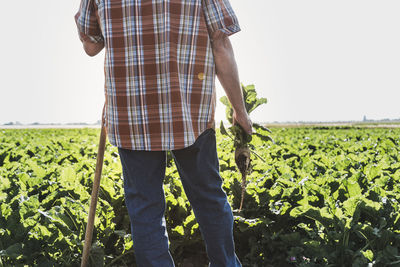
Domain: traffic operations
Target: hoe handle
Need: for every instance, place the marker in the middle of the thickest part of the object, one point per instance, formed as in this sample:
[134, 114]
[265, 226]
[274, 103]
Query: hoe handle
[95, 194]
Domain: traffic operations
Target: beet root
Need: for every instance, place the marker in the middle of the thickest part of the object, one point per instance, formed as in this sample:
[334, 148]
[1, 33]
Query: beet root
[242, 159]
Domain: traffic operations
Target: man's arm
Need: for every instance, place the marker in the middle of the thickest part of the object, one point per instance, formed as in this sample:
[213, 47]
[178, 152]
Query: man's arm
[227, 73]
[91, 48]
[94, 43]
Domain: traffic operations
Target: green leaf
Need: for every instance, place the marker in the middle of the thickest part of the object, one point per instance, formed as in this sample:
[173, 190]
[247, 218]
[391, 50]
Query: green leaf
[368, 254]
[228, 108]
[260, 127]
[225, 101]
[222, 129]
[250, 98]
[13, 251]
[179, 229]
[265, 138]
[96, 255]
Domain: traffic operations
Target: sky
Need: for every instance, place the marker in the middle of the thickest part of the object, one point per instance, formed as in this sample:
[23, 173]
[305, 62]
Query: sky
[331, 60]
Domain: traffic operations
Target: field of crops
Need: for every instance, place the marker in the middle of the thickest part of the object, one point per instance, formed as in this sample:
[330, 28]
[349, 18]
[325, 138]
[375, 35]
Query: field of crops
[325, 196]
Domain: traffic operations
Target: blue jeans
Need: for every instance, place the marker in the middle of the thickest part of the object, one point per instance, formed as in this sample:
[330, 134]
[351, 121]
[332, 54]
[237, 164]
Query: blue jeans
[198, 168]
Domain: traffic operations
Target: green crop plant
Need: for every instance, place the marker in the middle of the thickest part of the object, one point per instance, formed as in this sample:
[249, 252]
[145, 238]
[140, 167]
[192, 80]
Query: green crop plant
[241, 139]
[325, 196]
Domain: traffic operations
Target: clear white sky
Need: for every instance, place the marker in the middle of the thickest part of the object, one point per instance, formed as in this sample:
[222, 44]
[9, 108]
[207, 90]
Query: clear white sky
[314, 60]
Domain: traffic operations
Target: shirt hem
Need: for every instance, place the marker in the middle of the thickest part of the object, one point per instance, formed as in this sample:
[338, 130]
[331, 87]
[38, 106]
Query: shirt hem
[231, 29]
[159, 148]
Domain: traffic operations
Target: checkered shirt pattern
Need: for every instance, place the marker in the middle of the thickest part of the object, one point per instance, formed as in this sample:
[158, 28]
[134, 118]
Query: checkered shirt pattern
[159, 67]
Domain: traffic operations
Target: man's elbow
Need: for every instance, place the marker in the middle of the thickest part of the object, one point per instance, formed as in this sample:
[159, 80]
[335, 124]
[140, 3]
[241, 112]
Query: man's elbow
[221, 45]
[92, 49]
[91, 53]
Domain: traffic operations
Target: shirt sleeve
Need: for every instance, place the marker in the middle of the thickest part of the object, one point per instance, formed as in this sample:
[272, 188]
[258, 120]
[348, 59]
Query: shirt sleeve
[219, 15]
[87, 22]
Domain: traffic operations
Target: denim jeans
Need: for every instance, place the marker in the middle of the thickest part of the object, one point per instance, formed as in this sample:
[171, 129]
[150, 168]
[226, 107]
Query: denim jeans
[198, 168]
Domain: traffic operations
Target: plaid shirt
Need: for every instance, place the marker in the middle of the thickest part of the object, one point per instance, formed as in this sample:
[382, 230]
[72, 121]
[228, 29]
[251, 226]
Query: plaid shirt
[159, 67]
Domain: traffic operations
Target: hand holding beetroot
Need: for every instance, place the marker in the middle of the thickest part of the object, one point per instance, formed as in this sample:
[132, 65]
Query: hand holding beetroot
[242, 130]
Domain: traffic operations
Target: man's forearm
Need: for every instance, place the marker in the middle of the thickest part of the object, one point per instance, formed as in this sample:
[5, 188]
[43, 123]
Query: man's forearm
[227, 72]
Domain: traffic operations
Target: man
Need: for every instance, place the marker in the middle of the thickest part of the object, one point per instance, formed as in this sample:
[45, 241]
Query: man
[161, 59]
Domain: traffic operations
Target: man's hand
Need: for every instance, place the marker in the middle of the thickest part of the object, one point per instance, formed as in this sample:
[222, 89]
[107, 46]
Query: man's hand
[243, 120]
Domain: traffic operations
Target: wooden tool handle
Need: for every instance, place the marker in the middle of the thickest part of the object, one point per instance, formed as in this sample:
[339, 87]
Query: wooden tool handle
[95, 194]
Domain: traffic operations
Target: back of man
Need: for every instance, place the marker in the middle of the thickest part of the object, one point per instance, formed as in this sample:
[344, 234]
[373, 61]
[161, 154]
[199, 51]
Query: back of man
[161, 60]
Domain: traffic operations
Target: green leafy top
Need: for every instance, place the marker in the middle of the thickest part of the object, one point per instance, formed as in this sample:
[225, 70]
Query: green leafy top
[240, 137]
[251, 101]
